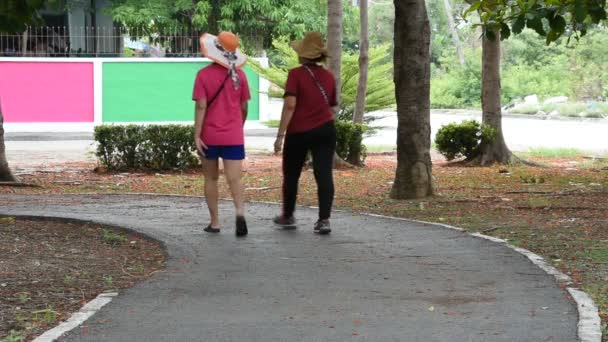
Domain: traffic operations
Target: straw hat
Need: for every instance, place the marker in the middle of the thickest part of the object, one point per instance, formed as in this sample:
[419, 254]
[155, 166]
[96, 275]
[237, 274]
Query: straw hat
[311, 47]
[223, 49]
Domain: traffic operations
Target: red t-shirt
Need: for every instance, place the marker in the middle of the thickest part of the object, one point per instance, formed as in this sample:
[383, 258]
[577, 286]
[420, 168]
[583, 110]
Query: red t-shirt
[312, 110]
[223, 123]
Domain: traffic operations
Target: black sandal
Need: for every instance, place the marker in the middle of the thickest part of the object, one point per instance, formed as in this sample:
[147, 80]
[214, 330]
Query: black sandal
[210, 229]
[241, 226]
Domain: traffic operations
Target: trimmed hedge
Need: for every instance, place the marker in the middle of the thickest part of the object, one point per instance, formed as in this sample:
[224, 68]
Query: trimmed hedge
[171, 147]
[154, 147]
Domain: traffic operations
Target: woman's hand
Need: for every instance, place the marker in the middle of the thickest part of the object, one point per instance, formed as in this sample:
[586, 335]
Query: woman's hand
[278, 144]
[200, 146]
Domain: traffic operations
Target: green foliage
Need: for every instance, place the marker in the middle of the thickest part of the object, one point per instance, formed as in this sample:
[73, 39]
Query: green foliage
[163, 147]
[14, 336]
[549, 18]
[462, 140]
[113, 238]
[15, 15]
[155, 147]
[47, 316]
[576, 70]
[128, 52]
[256, 22]
[380, 88]
[108, 281]
[350, 141]
[458, 87]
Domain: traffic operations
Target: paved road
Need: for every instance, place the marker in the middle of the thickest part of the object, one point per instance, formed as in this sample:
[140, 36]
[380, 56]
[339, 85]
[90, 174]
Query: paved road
[373, 279]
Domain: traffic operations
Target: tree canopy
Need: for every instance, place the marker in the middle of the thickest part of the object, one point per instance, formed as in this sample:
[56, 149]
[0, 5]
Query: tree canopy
[549, 18]
[16, 15]
[257, 22]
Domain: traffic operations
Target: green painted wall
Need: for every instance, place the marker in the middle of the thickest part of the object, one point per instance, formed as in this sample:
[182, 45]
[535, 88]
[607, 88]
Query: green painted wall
[157, 91]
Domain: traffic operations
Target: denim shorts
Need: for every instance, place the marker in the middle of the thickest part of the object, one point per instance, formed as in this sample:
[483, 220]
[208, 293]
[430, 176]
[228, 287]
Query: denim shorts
[232, 152]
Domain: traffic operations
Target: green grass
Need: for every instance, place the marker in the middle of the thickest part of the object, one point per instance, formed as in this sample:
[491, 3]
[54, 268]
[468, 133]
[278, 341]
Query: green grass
[570, 109]
[381, 148]
[112, 238]
[14, 336]
[272, 123]
[525, 109]
[543, 152]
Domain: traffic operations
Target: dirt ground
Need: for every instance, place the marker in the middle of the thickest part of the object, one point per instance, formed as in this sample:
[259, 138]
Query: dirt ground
[51, 268]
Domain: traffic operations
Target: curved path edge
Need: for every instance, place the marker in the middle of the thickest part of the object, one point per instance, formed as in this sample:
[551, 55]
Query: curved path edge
[589, 323]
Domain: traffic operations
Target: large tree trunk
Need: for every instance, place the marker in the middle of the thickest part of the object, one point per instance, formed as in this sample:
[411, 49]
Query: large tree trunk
[334, 46]
[413, 178]
[355, 152]
[495, 151]
[334, 41]
[454, 31]
[5, 171]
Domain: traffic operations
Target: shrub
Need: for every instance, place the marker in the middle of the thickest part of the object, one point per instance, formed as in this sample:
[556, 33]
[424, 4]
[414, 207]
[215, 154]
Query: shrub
[463, 139]
[350, 141]
[154, 147]
[166, 147]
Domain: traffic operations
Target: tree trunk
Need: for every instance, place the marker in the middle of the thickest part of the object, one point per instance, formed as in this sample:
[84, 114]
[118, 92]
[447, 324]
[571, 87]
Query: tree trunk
[363, 64]
[495, 151]
[93, 12]
[5, 171]
[24, 38]
[334, 46]
[413, 178]
[454, 31]
[334, 42]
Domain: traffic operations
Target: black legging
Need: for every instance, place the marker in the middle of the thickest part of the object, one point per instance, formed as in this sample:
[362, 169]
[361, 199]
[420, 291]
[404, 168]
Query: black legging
[321, 142]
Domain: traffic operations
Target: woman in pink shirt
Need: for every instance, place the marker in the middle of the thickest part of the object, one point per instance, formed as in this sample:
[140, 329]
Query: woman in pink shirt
[221, 93]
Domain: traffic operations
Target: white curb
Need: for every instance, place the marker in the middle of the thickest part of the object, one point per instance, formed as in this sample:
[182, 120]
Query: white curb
[589, 329]
[589, 323]
[77, 318]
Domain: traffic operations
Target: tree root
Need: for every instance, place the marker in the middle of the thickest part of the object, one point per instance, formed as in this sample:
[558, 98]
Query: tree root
[20, 184]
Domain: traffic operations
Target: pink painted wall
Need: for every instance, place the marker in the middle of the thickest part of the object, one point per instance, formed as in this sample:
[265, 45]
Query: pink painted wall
[46, 92]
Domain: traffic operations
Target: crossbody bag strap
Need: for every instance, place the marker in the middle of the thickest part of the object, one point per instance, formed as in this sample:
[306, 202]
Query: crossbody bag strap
[217, 92]
[323, 92]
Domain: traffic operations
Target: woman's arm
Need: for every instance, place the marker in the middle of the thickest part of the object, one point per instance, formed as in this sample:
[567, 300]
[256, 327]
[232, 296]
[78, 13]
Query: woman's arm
[200, 109]
[289, 106]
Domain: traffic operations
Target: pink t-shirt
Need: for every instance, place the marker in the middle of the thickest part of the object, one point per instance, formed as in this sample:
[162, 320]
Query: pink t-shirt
[223, 123]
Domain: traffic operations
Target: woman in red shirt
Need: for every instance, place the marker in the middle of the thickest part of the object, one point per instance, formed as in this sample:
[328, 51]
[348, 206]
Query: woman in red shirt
[307, 124]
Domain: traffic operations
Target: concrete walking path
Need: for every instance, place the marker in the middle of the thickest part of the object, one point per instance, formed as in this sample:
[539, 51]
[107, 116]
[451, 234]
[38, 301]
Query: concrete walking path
[373, 279]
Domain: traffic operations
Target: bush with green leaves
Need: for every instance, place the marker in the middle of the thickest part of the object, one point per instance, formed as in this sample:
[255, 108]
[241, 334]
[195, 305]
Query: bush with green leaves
[154, 147]
[171, 147]
[380, 86]
[456, 140]
[350, 141]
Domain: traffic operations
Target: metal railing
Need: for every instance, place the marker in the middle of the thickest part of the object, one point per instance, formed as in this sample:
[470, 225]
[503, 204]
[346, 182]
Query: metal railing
[97, 42]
